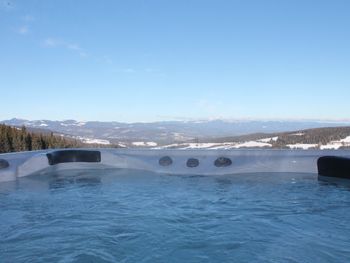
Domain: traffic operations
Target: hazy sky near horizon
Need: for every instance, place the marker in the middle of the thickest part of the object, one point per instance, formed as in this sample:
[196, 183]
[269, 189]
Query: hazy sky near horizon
[150, 60]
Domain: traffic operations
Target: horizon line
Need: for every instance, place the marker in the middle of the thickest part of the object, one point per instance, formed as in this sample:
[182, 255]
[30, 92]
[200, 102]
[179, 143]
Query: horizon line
[178, 119]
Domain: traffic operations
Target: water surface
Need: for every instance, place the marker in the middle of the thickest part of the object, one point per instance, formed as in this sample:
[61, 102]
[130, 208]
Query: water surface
[136, 216]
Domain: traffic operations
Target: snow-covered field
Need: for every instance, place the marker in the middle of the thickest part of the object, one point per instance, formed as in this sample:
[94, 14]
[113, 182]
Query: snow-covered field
[213, 146]
[93, 141]
[297, 134]
[144, 144]
[336, 144]
[268, 139]
[261, 143]
[303, 146]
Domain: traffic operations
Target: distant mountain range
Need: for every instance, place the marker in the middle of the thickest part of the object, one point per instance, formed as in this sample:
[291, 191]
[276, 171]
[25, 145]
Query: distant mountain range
[316, 138]
[177, 133]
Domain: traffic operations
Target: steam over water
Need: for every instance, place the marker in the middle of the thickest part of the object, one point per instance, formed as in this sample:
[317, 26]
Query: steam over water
[136, 216]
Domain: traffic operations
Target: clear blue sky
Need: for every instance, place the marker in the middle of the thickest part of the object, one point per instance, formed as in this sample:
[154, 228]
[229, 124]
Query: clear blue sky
[160, 59]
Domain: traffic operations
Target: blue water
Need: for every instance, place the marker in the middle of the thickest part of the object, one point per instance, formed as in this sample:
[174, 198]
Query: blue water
[134, 216]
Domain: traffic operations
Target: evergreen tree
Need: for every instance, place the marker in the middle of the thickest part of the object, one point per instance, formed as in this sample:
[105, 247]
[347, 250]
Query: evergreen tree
[28, 142]
[13, 139]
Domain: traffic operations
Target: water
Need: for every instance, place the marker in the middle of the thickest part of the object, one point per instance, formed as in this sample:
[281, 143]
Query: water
[134, 216]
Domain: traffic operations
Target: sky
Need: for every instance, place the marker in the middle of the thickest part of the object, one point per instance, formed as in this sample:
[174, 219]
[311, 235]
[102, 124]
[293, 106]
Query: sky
[152, 60]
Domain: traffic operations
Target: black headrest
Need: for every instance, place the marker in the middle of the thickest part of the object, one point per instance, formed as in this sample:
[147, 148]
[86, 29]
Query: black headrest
[334, 166]
[68, 156]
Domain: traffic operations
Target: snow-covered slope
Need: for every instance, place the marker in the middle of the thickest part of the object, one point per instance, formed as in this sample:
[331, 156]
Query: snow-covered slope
[217, 134]
[166, 132]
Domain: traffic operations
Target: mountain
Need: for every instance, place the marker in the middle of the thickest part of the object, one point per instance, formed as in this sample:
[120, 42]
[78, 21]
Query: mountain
[163, 132]
[317, 138]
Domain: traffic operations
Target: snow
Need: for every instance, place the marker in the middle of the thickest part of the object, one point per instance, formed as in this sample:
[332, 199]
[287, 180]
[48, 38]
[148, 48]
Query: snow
[224, 146]
[269, 139]
[73, 124]
[248, 144]
[175, 145]
[336, 144]
[216, 146]
[43, 125]
[200, 145]
[96, 141]
[298, 134]
[303, 146]
[140, 144]
[152, 144]
[331, 146]
[252, 144]
[93, 140]
[346, 139]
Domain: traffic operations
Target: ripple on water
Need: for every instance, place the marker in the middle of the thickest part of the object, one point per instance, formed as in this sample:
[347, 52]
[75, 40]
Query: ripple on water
[134, 216]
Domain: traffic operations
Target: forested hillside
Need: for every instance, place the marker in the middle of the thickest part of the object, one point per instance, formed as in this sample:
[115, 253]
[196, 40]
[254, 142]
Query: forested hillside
[308, 136]
[13, 139]
[320, 136]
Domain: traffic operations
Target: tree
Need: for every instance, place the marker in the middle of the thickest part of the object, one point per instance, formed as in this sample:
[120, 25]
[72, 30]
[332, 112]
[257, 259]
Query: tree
[28, 142]
[15, 139]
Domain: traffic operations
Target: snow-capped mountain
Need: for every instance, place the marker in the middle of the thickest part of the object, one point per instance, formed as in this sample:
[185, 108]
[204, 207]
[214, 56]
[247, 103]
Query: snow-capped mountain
[164, 132]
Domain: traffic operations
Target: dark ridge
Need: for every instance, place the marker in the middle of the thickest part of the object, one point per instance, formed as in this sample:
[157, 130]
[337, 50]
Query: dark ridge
[334, 166]
[69, 156]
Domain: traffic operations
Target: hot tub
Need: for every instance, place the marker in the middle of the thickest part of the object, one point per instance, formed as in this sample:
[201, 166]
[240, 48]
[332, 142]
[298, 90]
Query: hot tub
[200, 162]
[108, 205]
